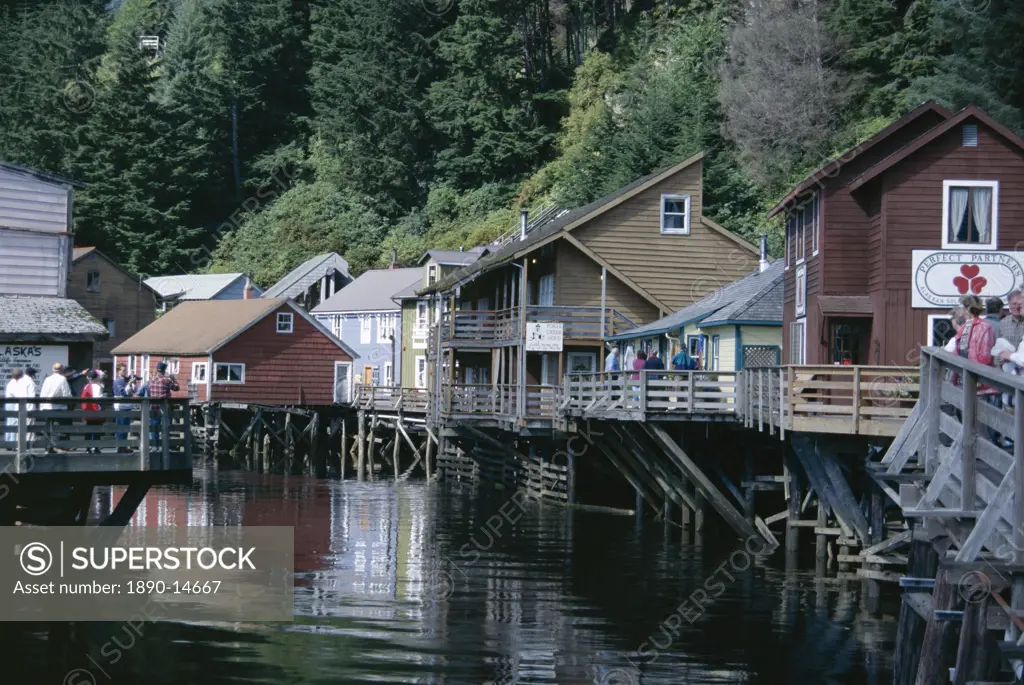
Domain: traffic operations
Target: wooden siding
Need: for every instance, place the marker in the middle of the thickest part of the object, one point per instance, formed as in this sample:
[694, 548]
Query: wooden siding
[121, 297]
[32, 204]
[236, 291]
[578, 284]
[296, 368]
[850, 257]
[407, 377]
[34, 263]
[676, 269]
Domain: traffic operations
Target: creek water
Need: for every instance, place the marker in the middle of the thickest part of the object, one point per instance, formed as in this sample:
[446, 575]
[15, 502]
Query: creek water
[419, 583]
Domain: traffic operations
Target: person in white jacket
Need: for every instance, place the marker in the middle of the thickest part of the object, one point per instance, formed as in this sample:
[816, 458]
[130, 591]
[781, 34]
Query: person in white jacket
[15, 389]
[55, 386]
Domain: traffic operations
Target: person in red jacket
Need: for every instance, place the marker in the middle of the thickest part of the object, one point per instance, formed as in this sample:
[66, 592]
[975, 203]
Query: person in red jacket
[92, 390]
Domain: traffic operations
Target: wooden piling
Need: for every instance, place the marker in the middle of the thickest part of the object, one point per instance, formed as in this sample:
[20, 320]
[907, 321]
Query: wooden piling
[973, 662]
[289, 444]
[939, 646]
[361, 442]
[397, 447]
[372, 447]
[821, 540]
[266, 452]
[342, 457]
[793, 503]
[922, 562]
[749, 506]
[426, 459]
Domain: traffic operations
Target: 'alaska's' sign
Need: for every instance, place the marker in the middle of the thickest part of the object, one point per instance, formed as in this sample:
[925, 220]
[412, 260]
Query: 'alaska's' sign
[942, 276]
[39, 357]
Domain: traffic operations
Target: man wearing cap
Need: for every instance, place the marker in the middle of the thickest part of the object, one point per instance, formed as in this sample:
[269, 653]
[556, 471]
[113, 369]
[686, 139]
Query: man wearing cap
[160, 387]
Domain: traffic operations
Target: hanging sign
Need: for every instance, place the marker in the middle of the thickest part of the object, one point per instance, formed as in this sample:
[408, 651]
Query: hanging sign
[543, 337]
[941, 277]
[40, 357]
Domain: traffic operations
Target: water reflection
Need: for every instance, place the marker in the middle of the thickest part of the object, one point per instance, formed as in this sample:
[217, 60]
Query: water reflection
[409, 584]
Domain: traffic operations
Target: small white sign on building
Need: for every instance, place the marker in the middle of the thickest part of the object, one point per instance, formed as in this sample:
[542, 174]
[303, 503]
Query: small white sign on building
[40, 357]
[543, 337]
[941, 277]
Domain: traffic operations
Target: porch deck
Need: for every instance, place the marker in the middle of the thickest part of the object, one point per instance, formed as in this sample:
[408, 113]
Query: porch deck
[391, 398]
[498, 328]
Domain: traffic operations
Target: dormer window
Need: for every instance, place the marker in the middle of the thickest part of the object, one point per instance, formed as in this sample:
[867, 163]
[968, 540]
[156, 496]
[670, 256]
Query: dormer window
[970, 214]
[675, 214]
[431, 274]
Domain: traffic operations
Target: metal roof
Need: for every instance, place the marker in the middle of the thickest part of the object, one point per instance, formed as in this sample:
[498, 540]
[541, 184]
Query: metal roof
[194, 286]
[299, 279]
[47, 318]
[455, 257]
[755, 298]
[371, 292]
[41, 175]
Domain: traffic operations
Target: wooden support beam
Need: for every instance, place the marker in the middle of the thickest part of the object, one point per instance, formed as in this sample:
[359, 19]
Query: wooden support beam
[704, 486]
[939, 643]
[397, 448]
[827, 478]
[639, 457]
[361, 442]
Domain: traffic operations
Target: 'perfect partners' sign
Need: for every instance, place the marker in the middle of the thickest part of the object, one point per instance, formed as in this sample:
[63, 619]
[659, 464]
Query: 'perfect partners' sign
[941, 277]
[40, 357]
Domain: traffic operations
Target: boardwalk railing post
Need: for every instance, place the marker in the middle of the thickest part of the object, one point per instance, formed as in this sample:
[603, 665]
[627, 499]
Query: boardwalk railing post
[165, 433]
[643, 393]
[933, 395]
[760, 400]
[691, 392]
[856, 400]
[1018, 487]
[967, 482]
[22, 434]
[144, 433]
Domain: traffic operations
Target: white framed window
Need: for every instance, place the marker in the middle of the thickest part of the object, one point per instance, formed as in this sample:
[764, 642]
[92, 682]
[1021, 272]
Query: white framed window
[199, 370]
[940, 330]
[421, 329]
[285, 322]
[229, 373]
[386, 324]
[816, 219]
[388, 377]
[801, 290]
[365, 328]
[144, 371]
[798, 342]
[581, 362]
[675, 214]
[431, 274]
[376, 376]
[970, 214]
[799, 235]
[715, 344]
[131, 364]
[173, 365]
[421, 371]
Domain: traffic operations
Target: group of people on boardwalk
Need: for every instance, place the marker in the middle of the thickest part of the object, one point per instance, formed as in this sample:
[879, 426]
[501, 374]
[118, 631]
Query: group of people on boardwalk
[984, 334]
[65, 383]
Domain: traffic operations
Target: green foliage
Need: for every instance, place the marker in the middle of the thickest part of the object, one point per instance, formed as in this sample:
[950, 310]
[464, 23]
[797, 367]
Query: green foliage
[271, 130]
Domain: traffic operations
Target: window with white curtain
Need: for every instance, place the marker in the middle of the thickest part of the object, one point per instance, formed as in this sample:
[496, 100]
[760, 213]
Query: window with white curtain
[386, 324]
[365, 323]
[970, 214]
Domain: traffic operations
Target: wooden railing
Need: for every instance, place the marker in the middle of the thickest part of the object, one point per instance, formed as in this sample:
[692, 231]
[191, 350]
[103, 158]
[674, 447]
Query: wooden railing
[155, 431]
[504, 325]
[499, 402]
[391, 398]
[634, 395]
[858, 400]
[959, 457]
[581, 323]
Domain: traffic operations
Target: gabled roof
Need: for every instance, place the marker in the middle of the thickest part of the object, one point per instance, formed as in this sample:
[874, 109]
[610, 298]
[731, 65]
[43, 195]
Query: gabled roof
[82, 252]
[455, 257]
[371, 292]
[41, 175]
[201, 327]
[194, 286]
[755, 298]
[832, 166]
[47, 318]
[299, 279]
[563, 224]
[962, 116]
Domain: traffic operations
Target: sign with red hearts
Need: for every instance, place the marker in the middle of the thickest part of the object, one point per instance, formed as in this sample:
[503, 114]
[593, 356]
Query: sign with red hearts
[941, 277]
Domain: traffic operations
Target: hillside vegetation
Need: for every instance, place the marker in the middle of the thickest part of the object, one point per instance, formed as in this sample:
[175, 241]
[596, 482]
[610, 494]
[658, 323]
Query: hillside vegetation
[265, 131]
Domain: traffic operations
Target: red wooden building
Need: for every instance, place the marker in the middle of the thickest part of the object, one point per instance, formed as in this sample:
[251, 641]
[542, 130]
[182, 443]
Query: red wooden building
[881, 242]
[258, 351]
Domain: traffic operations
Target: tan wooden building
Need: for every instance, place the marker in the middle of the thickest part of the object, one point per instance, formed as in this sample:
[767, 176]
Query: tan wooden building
[539, 306]
[117, 298]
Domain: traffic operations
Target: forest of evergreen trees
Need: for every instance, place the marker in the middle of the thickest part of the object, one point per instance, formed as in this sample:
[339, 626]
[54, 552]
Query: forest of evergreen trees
[261, 132]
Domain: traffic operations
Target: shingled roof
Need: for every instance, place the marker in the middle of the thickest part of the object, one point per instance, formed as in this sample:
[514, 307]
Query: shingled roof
[371, 292]
[47, 319]
[200, 327]
[755, 298]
